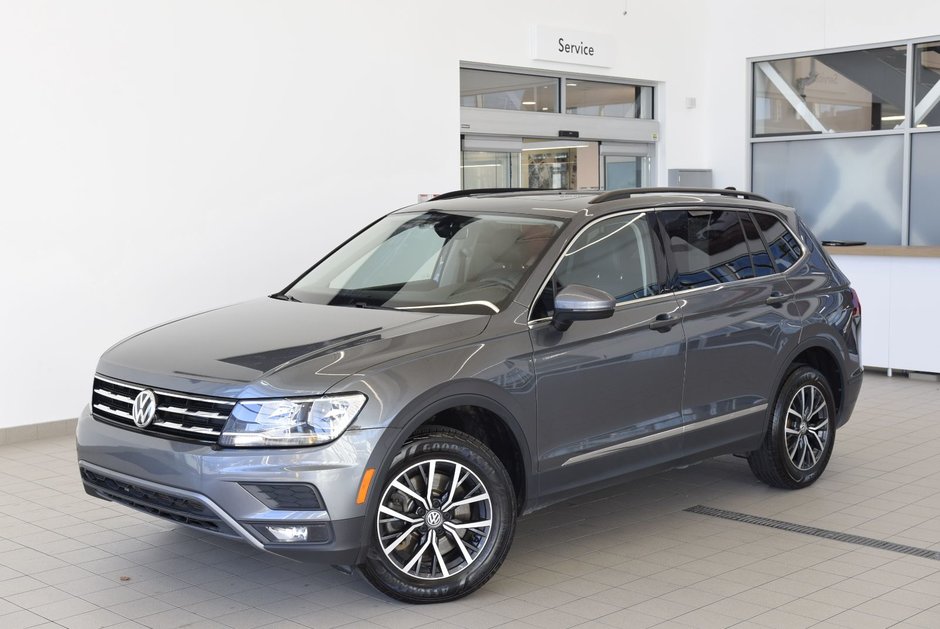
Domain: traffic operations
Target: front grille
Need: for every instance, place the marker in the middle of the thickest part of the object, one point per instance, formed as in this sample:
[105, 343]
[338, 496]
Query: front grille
[178, 415]
[181, 510]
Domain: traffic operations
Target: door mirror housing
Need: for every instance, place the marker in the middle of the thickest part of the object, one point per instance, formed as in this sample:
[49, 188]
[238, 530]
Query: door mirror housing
[576, 302]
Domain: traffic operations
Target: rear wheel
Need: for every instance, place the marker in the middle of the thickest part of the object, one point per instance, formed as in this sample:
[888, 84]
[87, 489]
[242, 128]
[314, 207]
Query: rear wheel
[801, 433]
[445, 519]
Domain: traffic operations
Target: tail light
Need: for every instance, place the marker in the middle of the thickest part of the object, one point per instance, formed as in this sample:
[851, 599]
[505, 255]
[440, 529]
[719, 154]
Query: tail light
[856, 305]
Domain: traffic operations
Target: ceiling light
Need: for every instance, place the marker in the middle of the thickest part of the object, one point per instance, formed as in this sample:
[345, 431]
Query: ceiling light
[528, 102]
[544, 108]
[571, 84]
[891, 118]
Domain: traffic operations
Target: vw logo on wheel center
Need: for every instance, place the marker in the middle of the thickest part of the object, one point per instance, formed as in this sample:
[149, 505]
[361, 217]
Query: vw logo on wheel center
[434, 519]
[145, 408]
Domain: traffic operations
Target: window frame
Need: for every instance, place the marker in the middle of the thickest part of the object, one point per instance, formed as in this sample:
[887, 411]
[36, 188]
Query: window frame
[550, 80]
[562, 79]
[659, 260]
[677, 285]
[673, 271]
[906, 130]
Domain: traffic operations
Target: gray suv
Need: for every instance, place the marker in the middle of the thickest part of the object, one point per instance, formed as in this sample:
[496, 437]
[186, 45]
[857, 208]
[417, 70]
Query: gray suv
[465, 361]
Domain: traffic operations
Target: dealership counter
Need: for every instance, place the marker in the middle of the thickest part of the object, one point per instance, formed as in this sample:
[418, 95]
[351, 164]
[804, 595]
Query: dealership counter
[899, 288]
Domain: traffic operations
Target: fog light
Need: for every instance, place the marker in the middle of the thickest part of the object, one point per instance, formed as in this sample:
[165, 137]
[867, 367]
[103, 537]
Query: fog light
[291, 533]
[288, 533]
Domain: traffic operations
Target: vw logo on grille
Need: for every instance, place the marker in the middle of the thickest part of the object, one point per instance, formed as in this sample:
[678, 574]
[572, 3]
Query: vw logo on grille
[434, 519]
[145, 408]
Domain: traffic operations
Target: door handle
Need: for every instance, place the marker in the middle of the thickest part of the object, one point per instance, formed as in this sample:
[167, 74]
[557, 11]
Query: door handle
[776, 298]
[663, 322]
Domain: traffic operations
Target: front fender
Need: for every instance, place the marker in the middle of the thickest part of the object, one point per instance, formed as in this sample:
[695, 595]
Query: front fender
[413, 415]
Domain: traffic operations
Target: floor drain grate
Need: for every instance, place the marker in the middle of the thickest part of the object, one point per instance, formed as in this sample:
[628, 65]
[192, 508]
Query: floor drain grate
[881, 544]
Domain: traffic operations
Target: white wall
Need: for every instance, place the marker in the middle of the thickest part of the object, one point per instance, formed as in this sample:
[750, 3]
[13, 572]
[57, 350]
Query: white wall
[158, 158]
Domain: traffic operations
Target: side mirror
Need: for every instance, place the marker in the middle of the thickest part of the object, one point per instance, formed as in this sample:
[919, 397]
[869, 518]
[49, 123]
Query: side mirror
[580, 303]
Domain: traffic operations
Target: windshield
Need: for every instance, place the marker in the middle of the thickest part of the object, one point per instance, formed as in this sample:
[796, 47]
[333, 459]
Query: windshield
[432, 261]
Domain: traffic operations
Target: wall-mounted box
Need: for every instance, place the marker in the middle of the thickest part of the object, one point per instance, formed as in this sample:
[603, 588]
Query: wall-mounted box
[690, 178]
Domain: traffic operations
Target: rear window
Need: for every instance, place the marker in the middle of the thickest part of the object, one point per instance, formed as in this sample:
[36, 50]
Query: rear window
[709, 246]
[782, 245]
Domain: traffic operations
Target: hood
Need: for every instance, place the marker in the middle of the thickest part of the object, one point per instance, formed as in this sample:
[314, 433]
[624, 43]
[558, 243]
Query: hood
[270, 348]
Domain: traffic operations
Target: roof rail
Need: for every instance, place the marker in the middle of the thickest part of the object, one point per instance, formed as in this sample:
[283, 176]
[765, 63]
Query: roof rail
[458, 194]
[626, 193]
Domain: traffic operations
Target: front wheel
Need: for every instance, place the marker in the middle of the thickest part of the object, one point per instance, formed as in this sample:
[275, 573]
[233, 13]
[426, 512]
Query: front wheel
[444, 521]
[801, 434]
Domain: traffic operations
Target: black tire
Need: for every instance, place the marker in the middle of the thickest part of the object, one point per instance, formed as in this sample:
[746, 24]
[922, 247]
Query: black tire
[430, 563]
[801, 433]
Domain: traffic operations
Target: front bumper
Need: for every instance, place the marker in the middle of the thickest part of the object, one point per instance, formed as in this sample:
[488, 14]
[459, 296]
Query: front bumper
[207, 488]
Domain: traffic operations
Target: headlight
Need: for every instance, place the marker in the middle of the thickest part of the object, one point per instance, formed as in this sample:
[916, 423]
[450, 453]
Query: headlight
[297, 422]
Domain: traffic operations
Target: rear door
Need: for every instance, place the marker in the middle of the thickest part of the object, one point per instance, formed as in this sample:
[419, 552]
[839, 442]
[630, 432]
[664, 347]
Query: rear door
[609, 391]
[737, 313]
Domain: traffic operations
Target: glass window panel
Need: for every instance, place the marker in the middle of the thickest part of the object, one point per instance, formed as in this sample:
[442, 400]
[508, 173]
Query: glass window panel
[560, 164]
[927, 84]
[925, 189]
[489, 169]
[625, 172]
[785, 250]
[844, 188]
[861, 90]
[708, 246]
[614, 255]
[755, 244]
[615, 100]
[505, 90]
[440, 261]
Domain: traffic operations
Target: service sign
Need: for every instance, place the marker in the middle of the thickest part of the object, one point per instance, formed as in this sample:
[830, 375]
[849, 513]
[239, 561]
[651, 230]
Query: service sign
[567, 46]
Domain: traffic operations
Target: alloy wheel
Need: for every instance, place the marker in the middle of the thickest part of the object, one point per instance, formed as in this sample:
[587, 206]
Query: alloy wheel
[807, 427]
[434, 519]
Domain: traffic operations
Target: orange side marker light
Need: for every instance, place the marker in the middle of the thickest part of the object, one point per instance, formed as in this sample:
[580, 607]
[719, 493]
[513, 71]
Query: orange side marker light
[364, 485]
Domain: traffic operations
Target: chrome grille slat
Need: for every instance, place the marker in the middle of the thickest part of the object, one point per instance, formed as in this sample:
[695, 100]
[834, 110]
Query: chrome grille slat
[202, 430]
[182, 411]
[114, 411]
[120, 384]
[193, 398]
[115, 396]
[178, 414]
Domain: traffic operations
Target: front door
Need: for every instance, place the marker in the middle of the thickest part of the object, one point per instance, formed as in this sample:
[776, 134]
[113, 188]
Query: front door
[609, 391]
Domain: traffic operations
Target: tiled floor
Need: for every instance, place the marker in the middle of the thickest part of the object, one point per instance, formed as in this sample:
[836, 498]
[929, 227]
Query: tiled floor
[626, 557]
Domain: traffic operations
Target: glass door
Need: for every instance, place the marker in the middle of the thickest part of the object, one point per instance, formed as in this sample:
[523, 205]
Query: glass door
[553, 163]
[623, 172]
[626, 165]
[489, 169]
[490, 161]
[560, 164]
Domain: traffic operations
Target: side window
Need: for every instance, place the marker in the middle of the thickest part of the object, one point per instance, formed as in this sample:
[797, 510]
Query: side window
[614, 255]
[784, 248]
[763, 265]
[708, 246]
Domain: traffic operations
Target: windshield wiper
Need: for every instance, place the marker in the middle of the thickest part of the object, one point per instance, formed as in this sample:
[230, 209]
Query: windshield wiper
[284, 297]
[362, 304]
